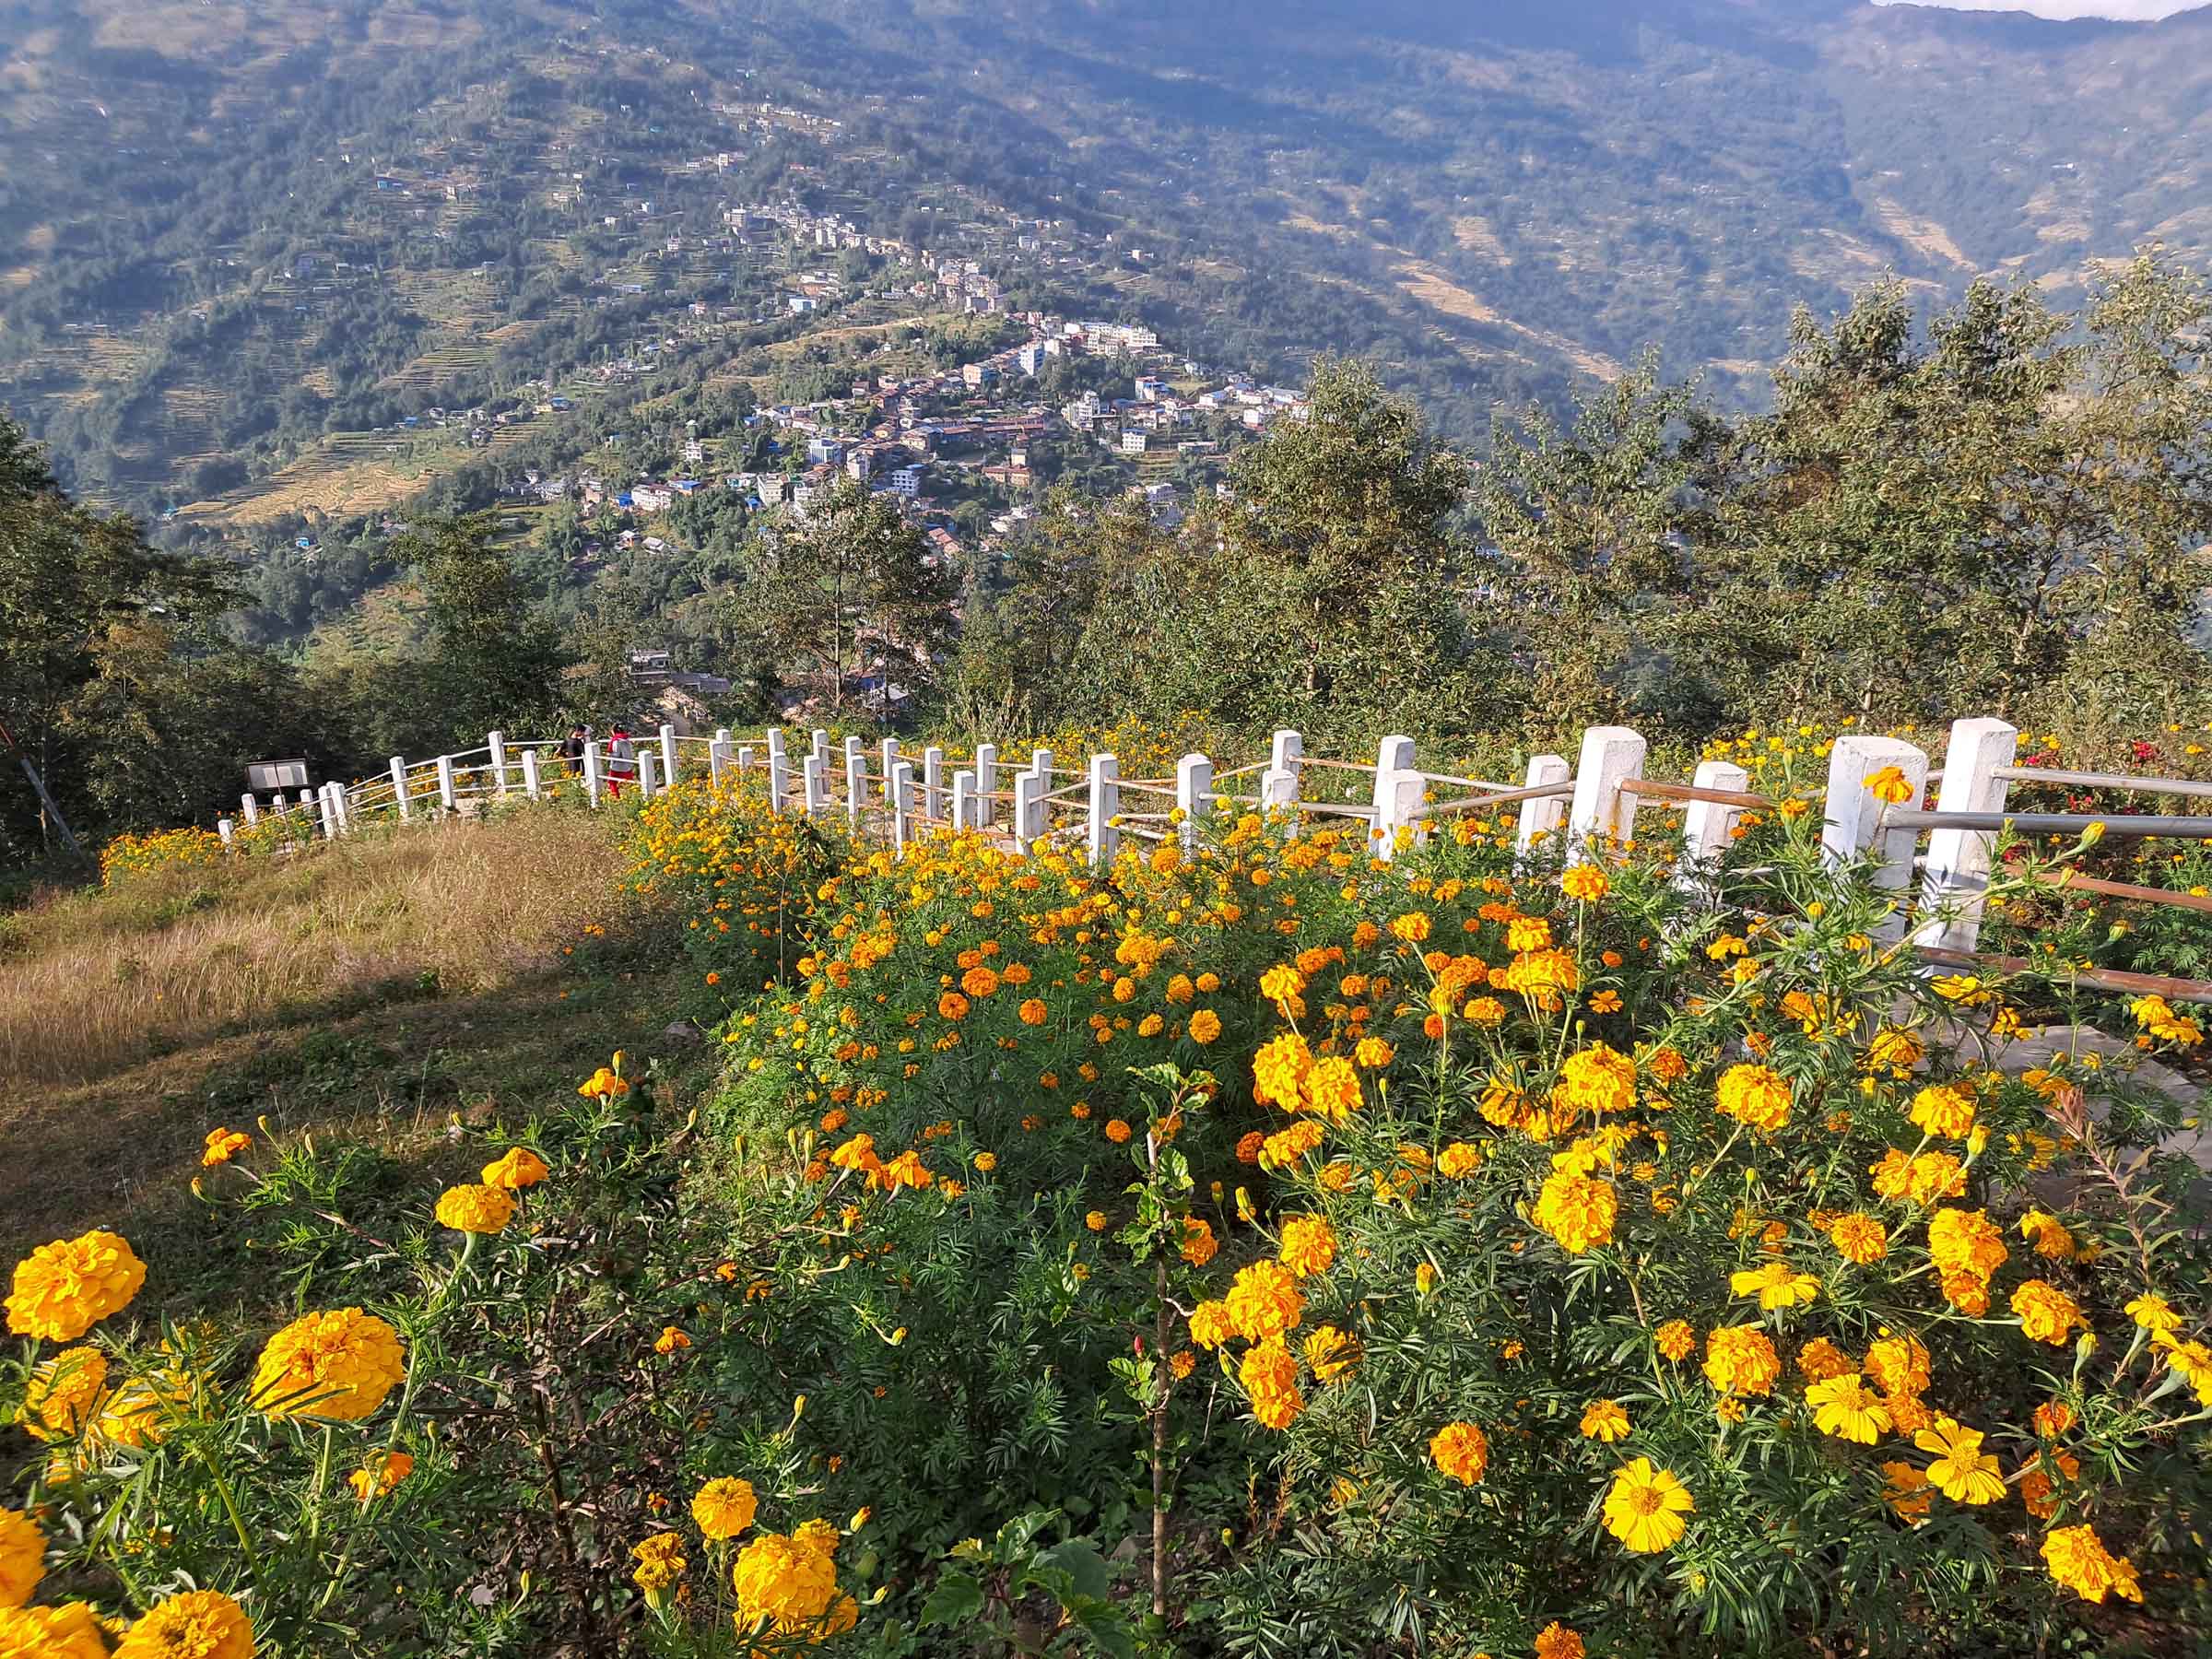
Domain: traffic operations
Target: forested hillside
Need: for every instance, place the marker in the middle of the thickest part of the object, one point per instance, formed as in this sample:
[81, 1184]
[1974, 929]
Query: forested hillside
[228, 233]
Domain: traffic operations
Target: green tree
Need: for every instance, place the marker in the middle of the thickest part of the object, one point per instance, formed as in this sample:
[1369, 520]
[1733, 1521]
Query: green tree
[852, 590]
[495, 662]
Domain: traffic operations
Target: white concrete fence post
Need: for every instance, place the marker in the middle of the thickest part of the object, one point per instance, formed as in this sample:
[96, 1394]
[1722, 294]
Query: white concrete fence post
[399, 789]
[986, 784]
[251, 808]
[1392, 756]
[449, 797]
[933, 784]
[329, 814]
[1029, 808]
[1960, 859]
[778, 770]
[531, 785]
[1540, 819]
[817, 786]
[903, 803]
[1101, 839]
[591, 772]
[819, 740]
[497, 743]
[223, 829]
[1853, 826]
[964, 803]
[719, 758]
[1280, 782]
[1706, 824]
[669, 771]
[890, 765]
[1408, 792]
[1603, 812]
[1194, 796]
[746, 760]
[856, 782]
[649, 783]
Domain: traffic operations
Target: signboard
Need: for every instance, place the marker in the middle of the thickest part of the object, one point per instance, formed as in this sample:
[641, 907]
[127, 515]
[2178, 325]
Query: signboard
[264, 777]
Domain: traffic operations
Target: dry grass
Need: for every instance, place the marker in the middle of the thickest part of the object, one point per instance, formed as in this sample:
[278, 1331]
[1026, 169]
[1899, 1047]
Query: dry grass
[367, 992]
[101, 981]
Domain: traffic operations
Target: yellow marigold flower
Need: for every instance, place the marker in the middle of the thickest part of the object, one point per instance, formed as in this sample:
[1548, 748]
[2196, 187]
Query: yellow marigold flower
[336, 1366]
[952, 1006]
[22, 1557]
[2048, 1235]
[724, 1507]
[1211, 1325]
[1413, 927]
[1034, 1011]
[1965, 1242]
[198, 1624]
[1206, 1025]
[1943, 1111]
[1373, 1054]
[1577, 1210]
[1889, 784]
[986, 1161]
[1962, 1471]
[380, 1478]
[2047, 1313]
[1585, 883]
[1645, 1507]
[672, 1340]
[1896, 1048]
[1332, 1353]
[979, 981]
[1820, 1359]
[63, 1394]
[1739, 1360]
[1424, 1279]
[223, 1145]
[1198, 1241]
[1183, 1362]
[2077, 1558]
[1462, 1451]
[1555, 1640]
[1096, 1220]
[1209, 983]
[1263, 1302]
[1906, 1491]
[2154, 1314]
[1776, 1285]
[604, 1085]
[1270, 1378]
[1117, 1130]
[786, 1583]
[1899, 1364]
[2038, 1491]
[1859, 1237]
[1604, 1420]
[1309, 1245]
[1331, 1089]
[68, 1631]
[63, 1288]
[1754, 1096]
[517, 1168]
[1458, 1160]
[1279, 1069]
[476, 1209]
[660, 1562]
[1845, 1407]
[1281, 983]
[1676, 1339]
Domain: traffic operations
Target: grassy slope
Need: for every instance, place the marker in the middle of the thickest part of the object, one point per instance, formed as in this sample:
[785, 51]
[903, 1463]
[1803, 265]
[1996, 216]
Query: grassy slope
[373, 990]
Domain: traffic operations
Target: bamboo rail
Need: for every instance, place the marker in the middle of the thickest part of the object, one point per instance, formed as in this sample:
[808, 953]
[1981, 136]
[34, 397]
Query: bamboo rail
[1695, 792]
[2086, 780]
[2104, 979]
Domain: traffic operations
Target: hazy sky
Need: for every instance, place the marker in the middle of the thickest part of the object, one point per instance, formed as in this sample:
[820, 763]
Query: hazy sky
[2128, 11]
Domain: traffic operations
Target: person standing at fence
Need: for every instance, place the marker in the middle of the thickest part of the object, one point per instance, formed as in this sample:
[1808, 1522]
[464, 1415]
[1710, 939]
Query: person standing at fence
[621, 761]
[571, 749]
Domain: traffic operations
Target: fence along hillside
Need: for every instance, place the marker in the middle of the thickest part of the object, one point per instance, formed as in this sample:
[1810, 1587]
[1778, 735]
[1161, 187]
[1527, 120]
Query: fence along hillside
[892, 793]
